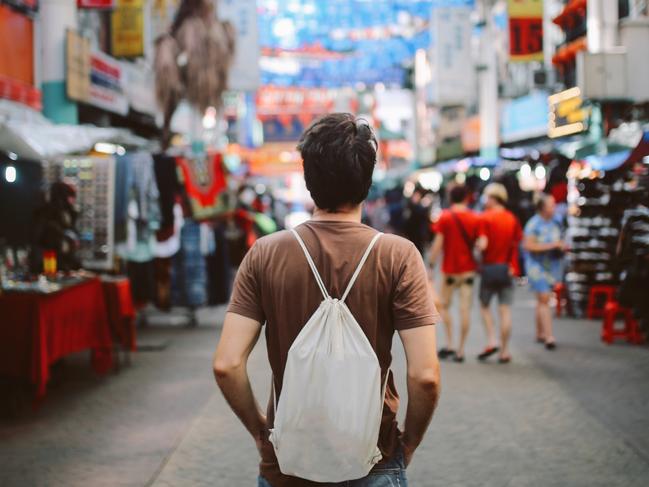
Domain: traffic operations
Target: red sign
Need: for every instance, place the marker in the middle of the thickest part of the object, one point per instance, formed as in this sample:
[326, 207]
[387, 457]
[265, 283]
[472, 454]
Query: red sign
[95, 3]
[526, 38]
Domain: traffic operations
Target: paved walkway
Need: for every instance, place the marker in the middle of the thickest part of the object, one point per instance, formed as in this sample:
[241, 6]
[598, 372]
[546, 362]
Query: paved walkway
[578, 416]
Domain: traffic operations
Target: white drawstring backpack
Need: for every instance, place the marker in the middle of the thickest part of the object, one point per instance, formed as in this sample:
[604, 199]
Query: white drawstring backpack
[329, 412]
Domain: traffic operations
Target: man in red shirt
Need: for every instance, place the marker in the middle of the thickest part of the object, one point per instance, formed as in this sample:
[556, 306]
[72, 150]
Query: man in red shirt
[499, 234]
[455, 235]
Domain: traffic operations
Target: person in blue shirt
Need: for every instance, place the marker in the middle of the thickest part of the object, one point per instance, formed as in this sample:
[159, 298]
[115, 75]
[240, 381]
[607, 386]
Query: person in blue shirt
[544, 263]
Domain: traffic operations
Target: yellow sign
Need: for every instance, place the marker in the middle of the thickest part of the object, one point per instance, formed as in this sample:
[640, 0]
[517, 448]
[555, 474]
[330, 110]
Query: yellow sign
[78, 66]
[127, 28]
[525, 30]
[567, 114]
[525, 9]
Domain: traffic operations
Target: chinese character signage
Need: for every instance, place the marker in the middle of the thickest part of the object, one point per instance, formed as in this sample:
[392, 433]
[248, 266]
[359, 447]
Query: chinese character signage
[127, 28]
[525, 30]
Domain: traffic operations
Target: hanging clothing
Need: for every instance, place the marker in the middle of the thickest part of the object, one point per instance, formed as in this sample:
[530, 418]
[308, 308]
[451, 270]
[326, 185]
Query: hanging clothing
[169, 188]
[143, 212]
[189, 273]
[219, 269]
[204, 181]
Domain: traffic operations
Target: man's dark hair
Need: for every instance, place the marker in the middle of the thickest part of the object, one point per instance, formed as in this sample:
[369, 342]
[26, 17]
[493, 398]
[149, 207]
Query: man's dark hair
[339, 154]
[458, 194]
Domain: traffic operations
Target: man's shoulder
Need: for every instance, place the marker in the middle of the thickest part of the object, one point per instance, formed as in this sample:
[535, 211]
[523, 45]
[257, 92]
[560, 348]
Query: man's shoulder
[400, 248]
[274, 240]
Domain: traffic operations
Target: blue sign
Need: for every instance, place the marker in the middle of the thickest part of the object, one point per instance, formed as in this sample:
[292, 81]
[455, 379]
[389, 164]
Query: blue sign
[524, 118]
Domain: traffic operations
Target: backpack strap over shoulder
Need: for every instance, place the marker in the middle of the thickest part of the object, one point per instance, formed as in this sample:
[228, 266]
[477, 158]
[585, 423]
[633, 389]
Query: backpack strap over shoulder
[360, 266]
[314, 269]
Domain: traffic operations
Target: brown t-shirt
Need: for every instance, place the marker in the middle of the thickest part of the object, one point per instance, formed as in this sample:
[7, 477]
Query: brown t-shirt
[275, 286]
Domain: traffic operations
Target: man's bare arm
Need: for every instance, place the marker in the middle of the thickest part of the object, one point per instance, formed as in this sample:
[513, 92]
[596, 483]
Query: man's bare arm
[438, 243]
[238, 338]
[423, 384]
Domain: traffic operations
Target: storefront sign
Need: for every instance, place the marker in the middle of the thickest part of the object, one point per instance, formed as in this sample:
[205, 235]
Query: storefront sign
[106, 83]
[453, 72]
[567, 114]
[525, 30]
[524, 118]
[94, 77]
[294, 101]
[95, 3]
[78, 66]
[16, 46]
[471, 134]
[244, 74]
[127, 28]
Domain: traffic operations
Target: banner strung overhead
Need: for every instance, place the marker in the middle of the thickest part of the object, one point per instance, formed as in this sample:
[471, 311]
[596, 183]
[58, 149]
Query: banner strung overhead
[525, 30]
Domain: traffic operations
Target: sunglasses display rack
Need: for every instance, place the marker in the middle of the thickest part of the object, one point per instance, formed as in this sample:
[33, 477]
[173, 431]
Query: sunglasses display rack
[93, 179]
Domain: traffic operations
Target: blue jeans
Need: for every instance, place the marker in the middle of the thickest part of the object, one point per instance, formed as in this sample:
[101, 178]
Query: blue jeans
[390, 474]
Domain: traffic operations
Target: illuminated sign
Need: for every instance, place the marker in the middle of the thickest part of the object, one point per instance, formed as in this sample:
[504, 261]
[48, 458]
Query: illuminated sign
[567, 113]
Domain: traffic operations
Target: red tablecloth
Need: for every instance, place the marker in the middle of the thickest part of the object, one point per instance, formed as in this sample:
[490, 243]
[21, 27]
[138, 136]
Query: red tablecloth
[36, 330]
[121, 312]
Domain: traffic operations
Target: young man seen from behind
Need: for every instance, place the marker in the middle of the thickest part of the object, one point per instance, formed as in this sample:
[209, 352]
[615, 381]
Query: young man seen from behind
[499, 234]
[455, 234]
[275, 289]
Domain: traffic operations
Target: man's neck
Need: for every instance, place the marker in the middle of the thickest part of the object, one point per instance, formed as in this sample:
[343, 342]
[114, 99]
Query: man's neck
[458, 206]
[348, 215]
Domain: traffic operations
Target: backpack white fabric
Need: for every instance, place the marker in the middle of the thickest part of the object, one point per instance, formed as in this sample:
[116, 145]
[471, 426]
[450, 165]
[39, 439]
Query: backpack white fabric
[329, 412]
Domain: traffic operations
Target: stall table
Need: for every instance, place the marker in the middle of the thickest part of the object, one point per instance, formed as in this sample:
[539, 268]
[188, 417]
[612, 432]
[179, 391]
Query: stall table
[121, 312]
[37, 329]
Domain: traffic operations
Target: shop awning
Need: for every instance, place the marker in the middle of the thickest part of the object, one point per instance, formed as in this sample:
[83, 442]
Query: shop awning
[641, 150]
[30, 135]
[607, 162]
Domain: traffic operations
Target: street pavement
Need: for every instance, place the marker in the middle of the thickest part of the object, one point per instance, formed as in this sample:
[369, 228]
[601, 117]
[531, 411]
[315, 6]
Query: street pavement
[576, 416]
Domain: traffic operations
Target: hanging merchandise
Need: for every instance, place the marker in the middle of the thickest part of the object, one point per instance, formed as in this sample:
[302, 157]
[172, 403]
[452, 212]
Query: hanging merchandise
[598, 201]
[169, 188]
[189, 273]
[204, 181]
[139, 216]
[192, 60]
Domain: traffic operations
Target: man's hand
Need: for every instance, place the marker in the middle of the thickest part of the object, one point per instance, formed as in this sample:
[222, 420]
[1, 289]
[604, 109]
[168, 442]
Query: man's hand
[261, 436]
[408, 452]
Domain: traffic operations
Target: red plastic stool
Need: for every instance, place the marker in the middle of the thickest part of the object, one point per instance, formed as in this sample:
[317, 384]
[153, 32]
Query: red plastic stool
[560, 297]
[630, 332]
[593, 310]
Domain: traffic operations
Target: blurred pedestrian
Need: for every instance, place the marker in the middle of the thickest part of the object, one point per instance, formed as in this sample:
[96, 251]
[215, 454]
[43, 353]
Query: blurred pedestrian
[455, 236]
[417, 225]
[281, 285]
[543, 261]
[499, 234]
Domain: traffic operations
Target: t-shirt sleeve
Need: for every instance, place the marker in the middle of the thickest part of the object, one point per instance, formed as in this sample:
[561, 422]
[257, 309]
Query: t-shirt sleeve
[246, 295]
[413, 300]
[440, 224]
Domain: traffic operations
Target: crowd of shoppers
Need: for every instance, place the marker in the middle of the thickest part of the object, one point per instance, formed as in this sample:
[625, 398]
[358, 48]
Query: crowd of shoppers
[485, 246]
